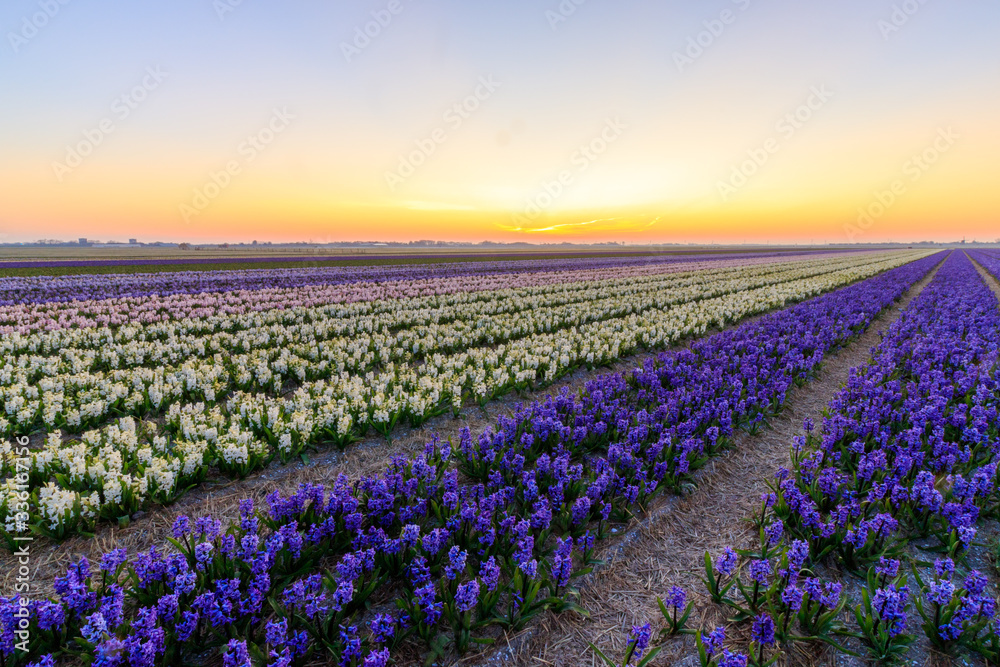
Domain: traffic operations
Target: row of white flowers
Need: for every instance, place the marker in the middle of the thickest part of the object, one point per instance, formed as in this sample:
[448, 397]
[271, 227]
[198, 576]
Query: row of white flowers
[24, 350]
[111, 472]
[118, 311]
[133, 372]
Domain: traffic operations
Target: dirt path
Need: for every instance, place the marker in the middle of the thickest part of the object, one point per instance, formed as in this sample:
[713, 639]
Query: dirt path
[666, 547]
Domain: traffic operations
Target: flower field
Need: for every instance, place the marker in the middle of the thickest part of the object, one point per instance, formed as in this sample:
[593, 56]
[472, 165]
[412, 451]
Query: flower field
[891, 489]
[909, 452]
[54, 288]
[442, 551]
[420, 335]
[143, 398]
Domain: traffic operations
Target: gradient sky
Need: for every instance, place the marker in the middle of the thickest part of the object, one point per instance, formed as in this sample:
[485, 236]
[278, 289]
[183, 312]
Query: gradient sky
[671, 135]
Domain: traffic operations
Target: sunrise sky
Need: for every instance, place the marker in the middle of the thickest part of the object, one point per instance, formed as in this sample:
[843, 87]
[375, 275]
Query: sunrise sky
[585, 120]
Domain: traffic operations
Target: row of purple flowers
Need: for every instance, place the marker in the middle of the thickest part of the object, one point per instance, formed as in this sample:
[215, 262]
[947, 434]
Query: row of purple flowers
[925, 409]
[909, 453]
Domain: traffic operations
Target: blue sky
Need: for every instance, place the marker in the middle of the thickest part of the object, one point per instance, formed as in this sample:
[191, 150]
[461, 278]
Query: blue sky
[559, 82]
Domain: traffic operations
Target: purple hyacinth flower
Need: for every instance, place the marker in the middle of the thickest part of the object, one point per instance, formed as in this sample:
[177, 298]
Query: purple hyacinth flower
[762, 630]
[467, 595]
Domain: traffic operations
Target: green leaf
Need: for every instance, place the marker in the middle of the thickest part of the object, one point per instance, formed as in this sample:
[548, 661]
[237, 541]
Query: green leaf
[649, 656]
[483, 640]
[603, 657]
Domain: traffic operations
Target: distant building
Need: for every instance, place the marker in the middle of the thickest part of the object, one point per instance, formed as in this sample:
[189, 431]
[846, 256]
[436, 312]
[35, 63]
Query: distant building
[133, 242]
[83, 241]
